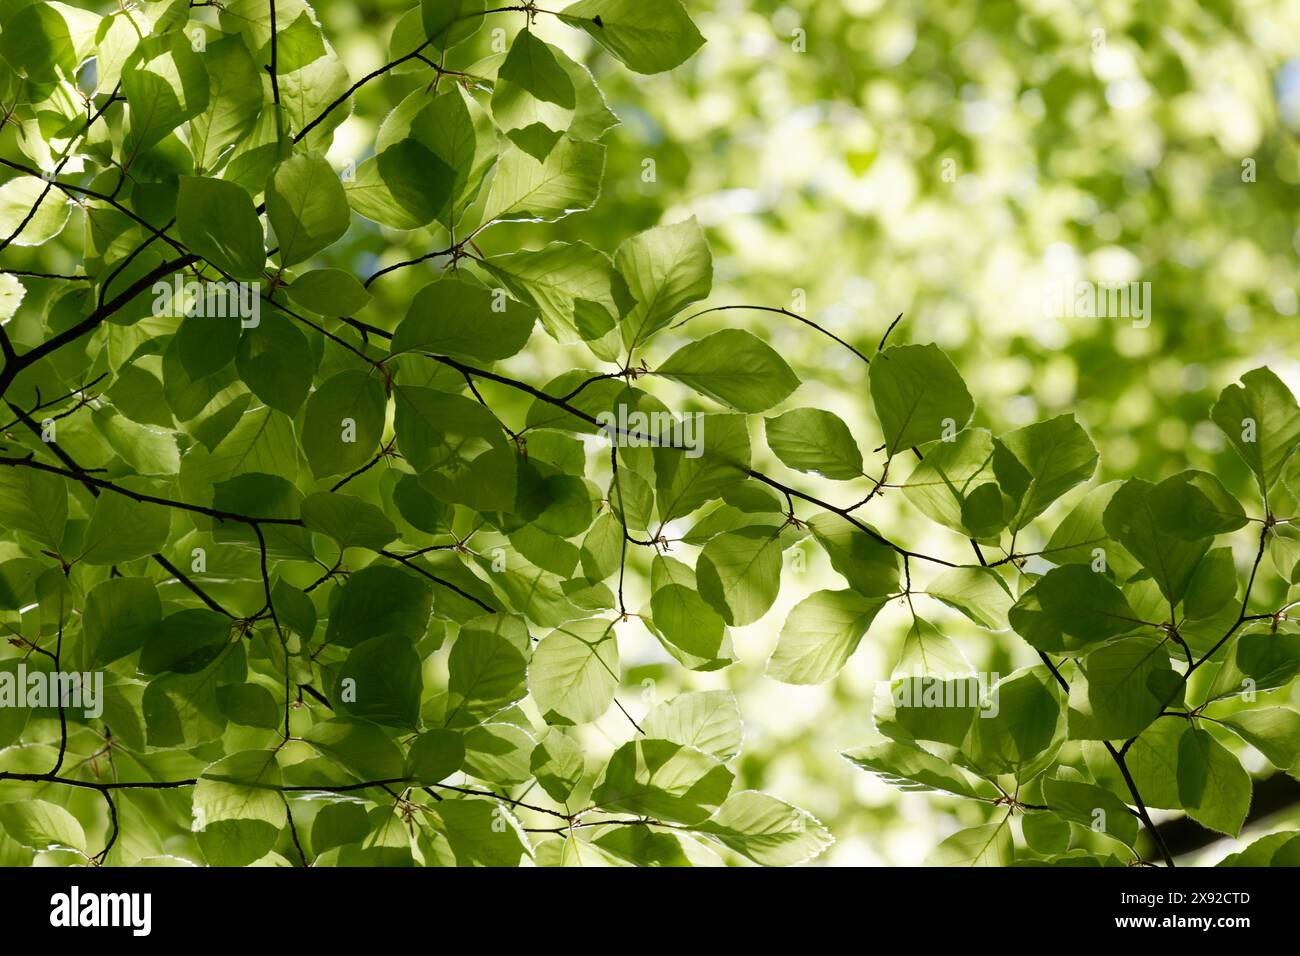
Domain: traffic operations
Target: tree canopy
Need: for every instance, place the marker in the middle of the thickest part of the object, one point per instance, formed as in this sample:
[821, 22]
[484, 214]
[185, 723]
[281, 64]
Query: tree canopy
[441, 434]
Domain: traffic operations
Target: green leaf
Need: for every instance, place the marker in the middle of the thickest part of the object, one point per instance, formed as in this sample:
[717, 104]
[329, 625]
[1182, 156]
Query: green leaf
[574, 672]
[119, 616]
[387, 843]
[1213, 587]
[1130, 519]
[305, 93]
[533, 100]
[343, 422]
[146, 450]
[299, 40]
[1284, 549]
[274, 360]
[434, 756]
[1072, 609]
[404, 187]
[499, 753]
[592, 117]
[11, 296]
[34, 502]
[351, 521]
[488, 483]
[954, 485]
[524, 187]
[378, 601]
[42, 825]
[987, 845]
[445, 431]
[739, 573]
[572, 850]
[1121, 689]
[908, 767]
[558, 764]
[1273, 731]
[329, 292]
[1092, 807]
[138, 395]
[37, 43]
[381, 681]
[815, 441]
[18, 579]
[558, 505]
[217, 220]
[574, 287]
[1288, 854]
[454, 317]
[1279, 846]
[1212, 784]
[249, 705]
[1194, 504]
[648, 37]
[338, 824]
[115, 39]
[1152, 761]
[643, 846]
[420, 508]
[1260, 661]
[458, 132]
[448, 22]
[979, 593]
[926, 650]
[121, 529]
[1037, 464]
[206, 343]
[666, 269]
[238, 812]
[1045, 832]
[182, 709]
[487, 668]
[165, 82]
[18, 197]
[664, 780]
[933, 708]
[868, 565]
[261, 496]
[683, 484]
[820, 635]
[1081, 536]
[1262, 421]
[186, 642]
[768, 831]
[706, 720]
[306, 206]
[690, 624]
[477, 837]
[359, 746]
[234, 102]
[919, 396]
[1016, 724]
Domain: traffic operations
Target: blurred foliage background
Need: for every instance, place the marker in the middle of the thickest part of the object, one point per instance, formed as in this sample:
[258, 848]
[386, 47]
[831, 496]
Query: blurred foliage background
[854, 160]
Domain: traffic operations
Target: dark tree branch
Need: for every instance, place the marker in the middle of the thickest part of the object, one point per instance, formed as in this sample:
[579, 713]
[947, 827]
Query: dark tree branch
[786, 312]
[84, 477]
[360, 83]
[49, 178]
[1118, 757]
[17, 363]
[43, 275]
[408, 262]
